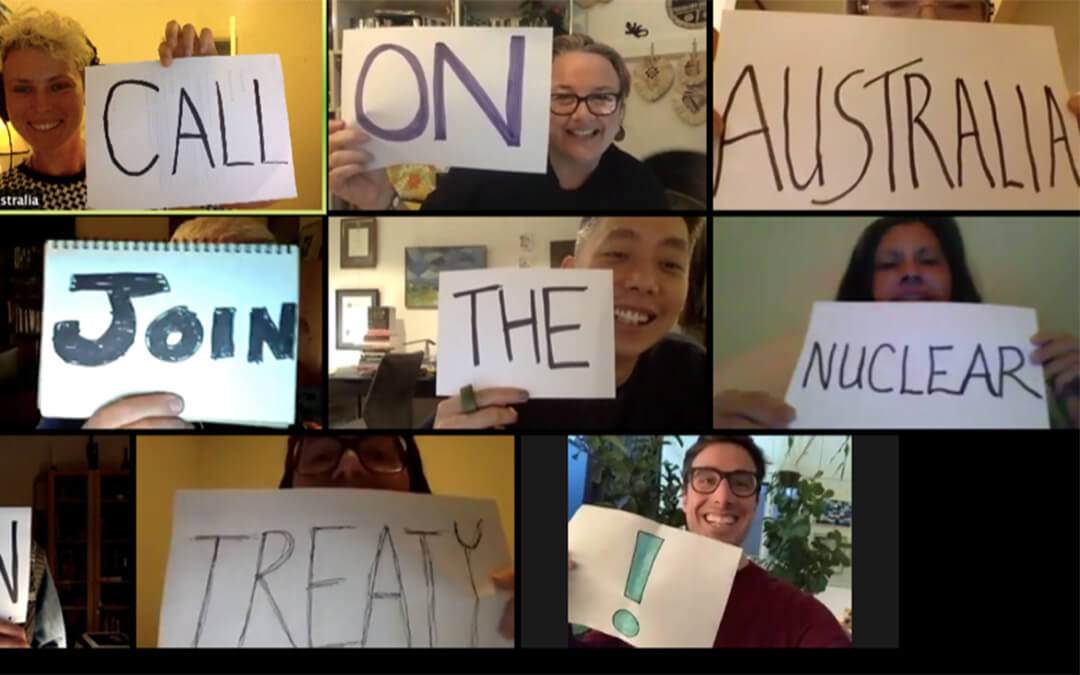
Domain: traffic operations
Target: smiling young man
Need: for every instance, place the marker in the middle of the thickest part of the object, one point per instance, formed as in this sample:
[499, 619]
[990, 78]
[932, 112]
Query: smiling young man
[660, 375]
[722, 477]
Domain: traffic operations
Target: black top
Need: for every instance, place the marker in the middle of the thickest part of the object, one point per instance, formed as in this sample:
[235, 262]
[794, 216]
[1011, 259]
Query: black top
[670, 389]
[620, 182]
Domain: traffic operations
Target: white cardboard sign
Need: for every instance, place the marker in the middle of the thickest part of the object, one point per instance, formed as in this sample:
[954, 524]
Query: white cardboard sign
[204, 131]
[14, 563]
[947, 115]
[213, 323]
[548, 331]
[332, 567]
[921, 365]
[644, 582]
[468, 97]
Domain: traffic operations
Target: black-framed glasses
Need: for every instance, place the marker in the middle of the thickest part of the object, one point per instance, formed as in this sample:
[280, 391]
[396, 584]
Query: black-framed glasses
[319, 455]
[599, 104]
[704, 480]
[956, 10]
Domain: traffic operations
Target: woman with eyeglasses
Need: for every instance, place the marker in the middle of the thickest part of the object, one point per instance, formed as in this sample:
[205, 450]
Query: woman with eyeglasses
[899, 259]
[371, 463]
[981, 11]
[590, 84]
[722, 478]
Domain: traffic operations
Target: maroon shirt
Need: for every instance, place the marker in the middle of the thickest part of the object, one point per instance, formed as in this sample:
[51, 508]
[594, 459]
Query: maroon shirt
[762, 611]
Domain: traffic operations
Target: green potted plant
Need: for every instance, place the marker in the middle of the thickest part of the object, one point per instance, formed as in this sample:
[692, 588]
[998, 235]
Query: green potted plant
[625, 473]
[794, 554]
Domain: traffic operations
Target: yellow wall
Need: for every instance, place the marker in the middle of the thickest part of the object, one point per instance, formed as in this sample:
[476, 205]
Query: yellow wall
[130, 30]
[459, 466]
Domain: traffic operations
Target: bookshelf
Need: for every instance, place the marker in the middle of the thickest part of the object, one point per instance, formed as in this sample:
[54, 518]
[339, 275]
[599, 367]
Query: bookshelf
[86, 520]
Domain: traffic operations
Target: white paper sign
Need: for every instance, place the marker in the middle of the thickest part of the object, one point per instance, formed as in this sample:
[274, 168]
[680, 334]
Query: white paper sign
[918, 365]
[469, 97]
[14, 563]
[214, 323]
[645, 583]
[332, 567]
[895, 112]
[204, 131]
[548, 331]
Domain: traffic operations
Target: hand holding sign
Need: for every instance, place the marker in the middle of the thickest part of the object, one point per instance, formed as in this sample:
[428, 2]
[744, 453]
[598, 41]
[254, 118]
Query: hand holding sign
[1059, 355]
[183, 42]
[493, 409]
[141, 411]
[643, 582]
[750, 410]
[350, 176]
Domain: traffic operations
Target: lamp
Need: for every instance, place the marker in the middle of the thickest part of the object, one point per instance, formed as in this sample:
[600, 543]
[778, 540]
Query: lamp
[11, 144]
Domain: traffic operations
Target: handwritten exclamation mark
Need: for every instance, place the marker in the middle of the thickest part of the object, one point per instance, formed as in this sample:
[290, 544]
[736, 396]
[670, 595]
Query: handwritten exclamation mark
[645, 552]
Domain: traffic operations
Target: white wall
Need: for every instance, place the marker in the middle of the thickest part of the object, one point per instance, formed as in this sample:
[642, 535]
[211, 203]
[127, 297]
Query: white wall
[767, 271]
[651, 127]
[500, 235]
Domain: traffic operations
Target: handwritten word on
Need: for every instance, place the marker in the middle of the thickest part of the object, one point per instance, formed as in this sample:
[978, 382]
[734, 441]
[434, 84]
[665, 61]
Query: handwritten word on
[469, 97]
[550, 332]
[918, 365]
[120, 322]
[14, 563]
[208, 130]
[895, 112]
[332, 568]
[643, 582]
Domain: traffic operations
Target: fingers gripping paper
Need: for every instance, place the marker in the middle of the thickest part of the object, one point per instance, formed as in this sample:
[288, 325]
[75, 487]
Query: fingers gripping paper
[207, 130]
[213, 323]
[895, 112]
[14, 563]
[332, 567]
[469, 97]
[644, 583]
[550, 332]
[900, 365]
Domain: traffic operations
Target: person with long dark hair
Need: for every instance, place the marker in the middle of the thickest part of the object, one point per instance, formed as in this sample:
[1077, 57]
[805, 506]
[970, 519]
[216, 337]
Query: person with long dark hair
[372, 463]
[921, 259]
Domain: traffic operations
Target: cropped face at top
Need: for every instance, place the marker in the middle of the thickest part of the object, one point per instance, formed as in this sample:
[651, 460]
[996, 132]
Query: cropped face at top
[44, 98]
[720, 493]
[586, 106]
[650, 262]
[909, 264]
[371, 462]
[947, 10]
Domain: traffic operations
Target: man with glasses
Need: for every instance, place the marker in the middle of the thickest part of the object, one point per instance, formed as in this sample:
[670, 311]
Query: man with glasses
[372, 463]
[722, 477]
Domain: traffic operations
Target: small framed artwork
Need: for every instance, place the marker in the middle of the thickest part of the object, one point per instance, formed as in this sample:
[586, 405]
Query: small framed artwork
[423, 265]
[352, 316]
[359, 244]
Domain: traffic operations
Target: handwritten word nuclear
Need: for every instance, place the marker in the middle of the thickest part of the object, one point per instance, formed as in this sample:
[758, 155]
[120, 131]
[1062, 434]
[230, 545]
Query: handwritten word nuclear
[173, 335]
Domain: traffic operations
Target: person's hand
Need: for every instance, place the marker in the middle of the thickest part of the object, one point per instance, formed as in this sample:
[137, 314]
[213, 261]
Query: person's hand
[349, 176]
[492, 409]
[1074, 106]
[183, 42]
[569, 562]
[717, 125]
[504, 581]
[12, 635]
[141, 411]
[750, 410]
[1059, 355]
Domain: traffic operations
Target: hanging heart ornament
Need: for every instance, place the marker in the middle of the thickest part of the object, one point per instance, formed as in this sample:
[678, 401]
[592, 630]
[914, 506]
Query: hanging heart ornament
[653, 77]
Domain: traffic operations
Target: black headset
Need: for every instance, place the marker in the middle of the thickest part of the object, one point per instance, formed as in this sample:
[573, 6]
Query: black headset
[94, 61]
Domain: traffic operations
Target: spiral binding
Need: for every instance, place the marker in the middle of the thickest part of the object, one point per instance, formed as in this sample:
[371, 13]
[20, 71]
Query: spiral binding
[169, 246]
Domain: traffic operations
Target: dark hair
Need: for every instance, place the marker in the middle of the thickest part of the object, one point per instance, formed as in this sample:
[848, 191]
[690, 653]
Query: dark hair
[857, 284]
[744, 442]
[417, 481]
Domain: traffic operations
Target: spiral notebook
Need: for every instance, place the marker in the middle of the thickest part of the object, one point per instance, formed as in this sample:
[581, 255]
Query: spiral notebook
[213, 323]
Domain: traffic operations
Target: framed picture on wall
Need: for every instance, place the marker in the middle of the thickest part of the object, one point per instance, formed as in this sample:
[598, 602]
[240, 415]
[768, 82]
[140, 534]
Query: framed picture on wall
[424, 263]
[352, 316]
[359, 245]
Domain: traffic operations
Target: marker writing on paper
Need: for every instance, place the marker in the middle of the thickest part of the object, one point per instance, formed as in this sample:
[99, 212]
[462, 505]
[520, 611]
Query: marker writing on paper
[645, 551]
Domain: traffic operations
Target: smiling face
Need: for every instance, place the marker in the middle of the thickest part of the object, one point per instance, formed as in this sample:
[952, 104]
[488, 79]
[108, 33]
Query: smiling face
[910, 265]
[583, 136]
[44, 97]
[722, 514]
[650, 262]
